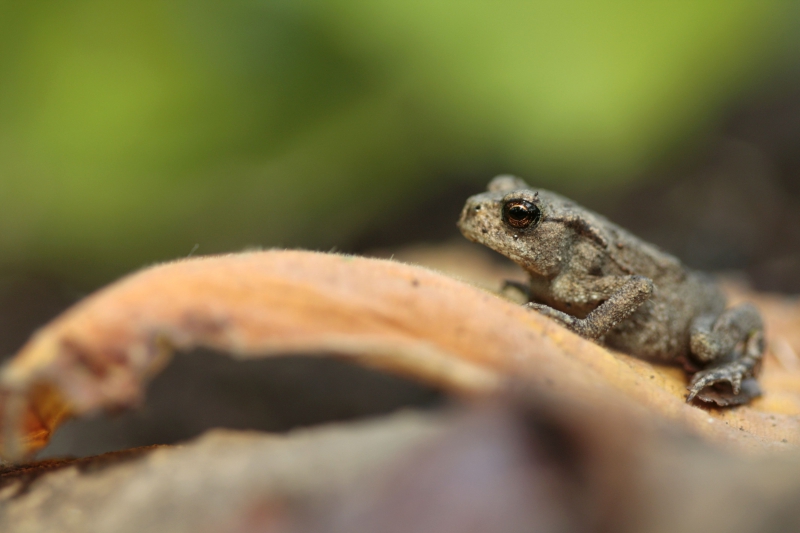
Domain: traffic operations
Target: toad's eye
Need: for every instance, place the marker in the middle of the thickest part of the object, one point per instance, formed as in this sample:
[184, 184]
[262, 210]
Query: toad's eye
[521, 214]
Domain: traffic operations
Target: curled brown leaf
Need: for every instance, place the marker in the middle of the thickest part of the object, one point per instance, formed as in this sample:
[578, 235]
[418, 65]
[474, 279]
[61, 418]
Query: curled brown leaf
[400, 318]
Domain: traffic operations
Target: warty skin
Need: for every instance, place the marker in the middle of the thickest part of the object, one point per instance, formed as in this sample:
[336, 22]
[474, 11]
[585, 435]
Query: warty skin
[606, 284]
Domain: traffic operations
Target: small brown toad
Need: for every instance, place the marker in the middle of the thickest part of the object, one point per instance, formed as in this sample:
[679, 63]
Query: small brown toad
[608, 285]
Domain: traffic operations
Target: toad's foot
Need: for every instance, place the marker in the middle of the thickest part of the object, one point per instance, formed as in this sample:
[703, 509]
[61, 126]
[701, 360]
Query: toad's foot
[728, 384]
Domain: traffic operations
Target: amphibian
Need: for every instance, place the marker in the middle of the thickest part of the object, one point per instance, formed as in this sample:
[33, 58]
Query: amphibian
[605, 284]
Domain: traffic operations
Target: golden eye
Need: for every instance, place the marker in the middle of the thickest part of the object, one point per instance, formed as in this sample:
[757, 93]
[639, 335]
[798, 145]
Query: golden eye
[521, 213]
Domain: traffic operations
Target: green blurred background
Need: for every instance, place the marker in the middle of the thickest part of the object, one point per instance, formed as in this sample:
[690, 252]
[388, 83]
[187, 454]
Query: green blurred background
[136, 131]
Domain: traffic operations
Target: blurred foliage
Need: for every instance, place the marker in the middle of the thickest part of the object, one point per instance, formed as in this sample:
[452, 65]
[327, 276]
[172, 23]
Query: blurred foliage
[132, 130]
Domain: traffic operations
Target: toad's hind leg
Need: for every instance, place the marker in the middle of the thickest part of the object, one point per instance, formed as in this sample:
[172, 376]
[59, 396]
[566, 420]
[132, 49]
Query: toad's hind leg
[731, 346]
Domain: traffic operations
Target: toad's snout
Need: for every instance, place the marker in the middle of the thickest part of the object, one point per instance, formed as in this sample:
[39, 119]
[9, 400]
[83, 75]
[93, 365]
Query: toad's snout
[469, 214]
[475, 219]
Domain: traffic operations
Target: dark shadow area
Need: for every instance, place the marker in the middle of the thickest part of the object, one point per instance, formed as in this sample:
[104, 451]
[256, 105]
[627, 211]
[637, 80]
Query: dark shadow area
[28, 302]
[203, 390]
[430, 217]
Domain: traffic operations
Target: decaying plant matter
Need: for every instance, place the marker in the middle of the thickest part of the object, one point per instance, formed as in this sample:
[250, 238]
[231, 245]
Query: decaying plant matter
[400, 318]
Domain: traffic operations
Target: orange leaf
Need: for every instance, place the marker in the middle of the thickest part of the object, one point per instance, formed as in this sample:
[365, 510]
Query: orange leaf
[401, 318]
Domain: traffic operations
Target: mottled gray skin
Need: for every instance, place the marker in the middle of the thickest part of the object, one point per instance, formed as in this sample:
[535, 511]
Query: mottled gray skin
[606, 284]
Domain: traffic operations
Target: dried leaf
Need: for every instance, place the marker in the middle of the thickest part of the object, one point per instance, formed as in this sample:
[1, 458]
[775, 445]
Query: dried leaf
[225, 481]
[401, 318]
[529, 465]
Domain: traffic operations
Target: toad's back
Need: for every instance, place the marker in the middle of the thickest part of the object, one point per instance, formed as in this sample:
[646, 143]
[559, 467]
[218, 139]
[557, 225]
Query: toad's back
[659, 328]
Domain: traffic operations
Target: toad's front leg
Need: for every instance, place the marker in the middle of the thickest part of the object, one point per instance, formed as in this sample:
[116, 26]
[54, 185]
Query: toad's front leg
[633, 292]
